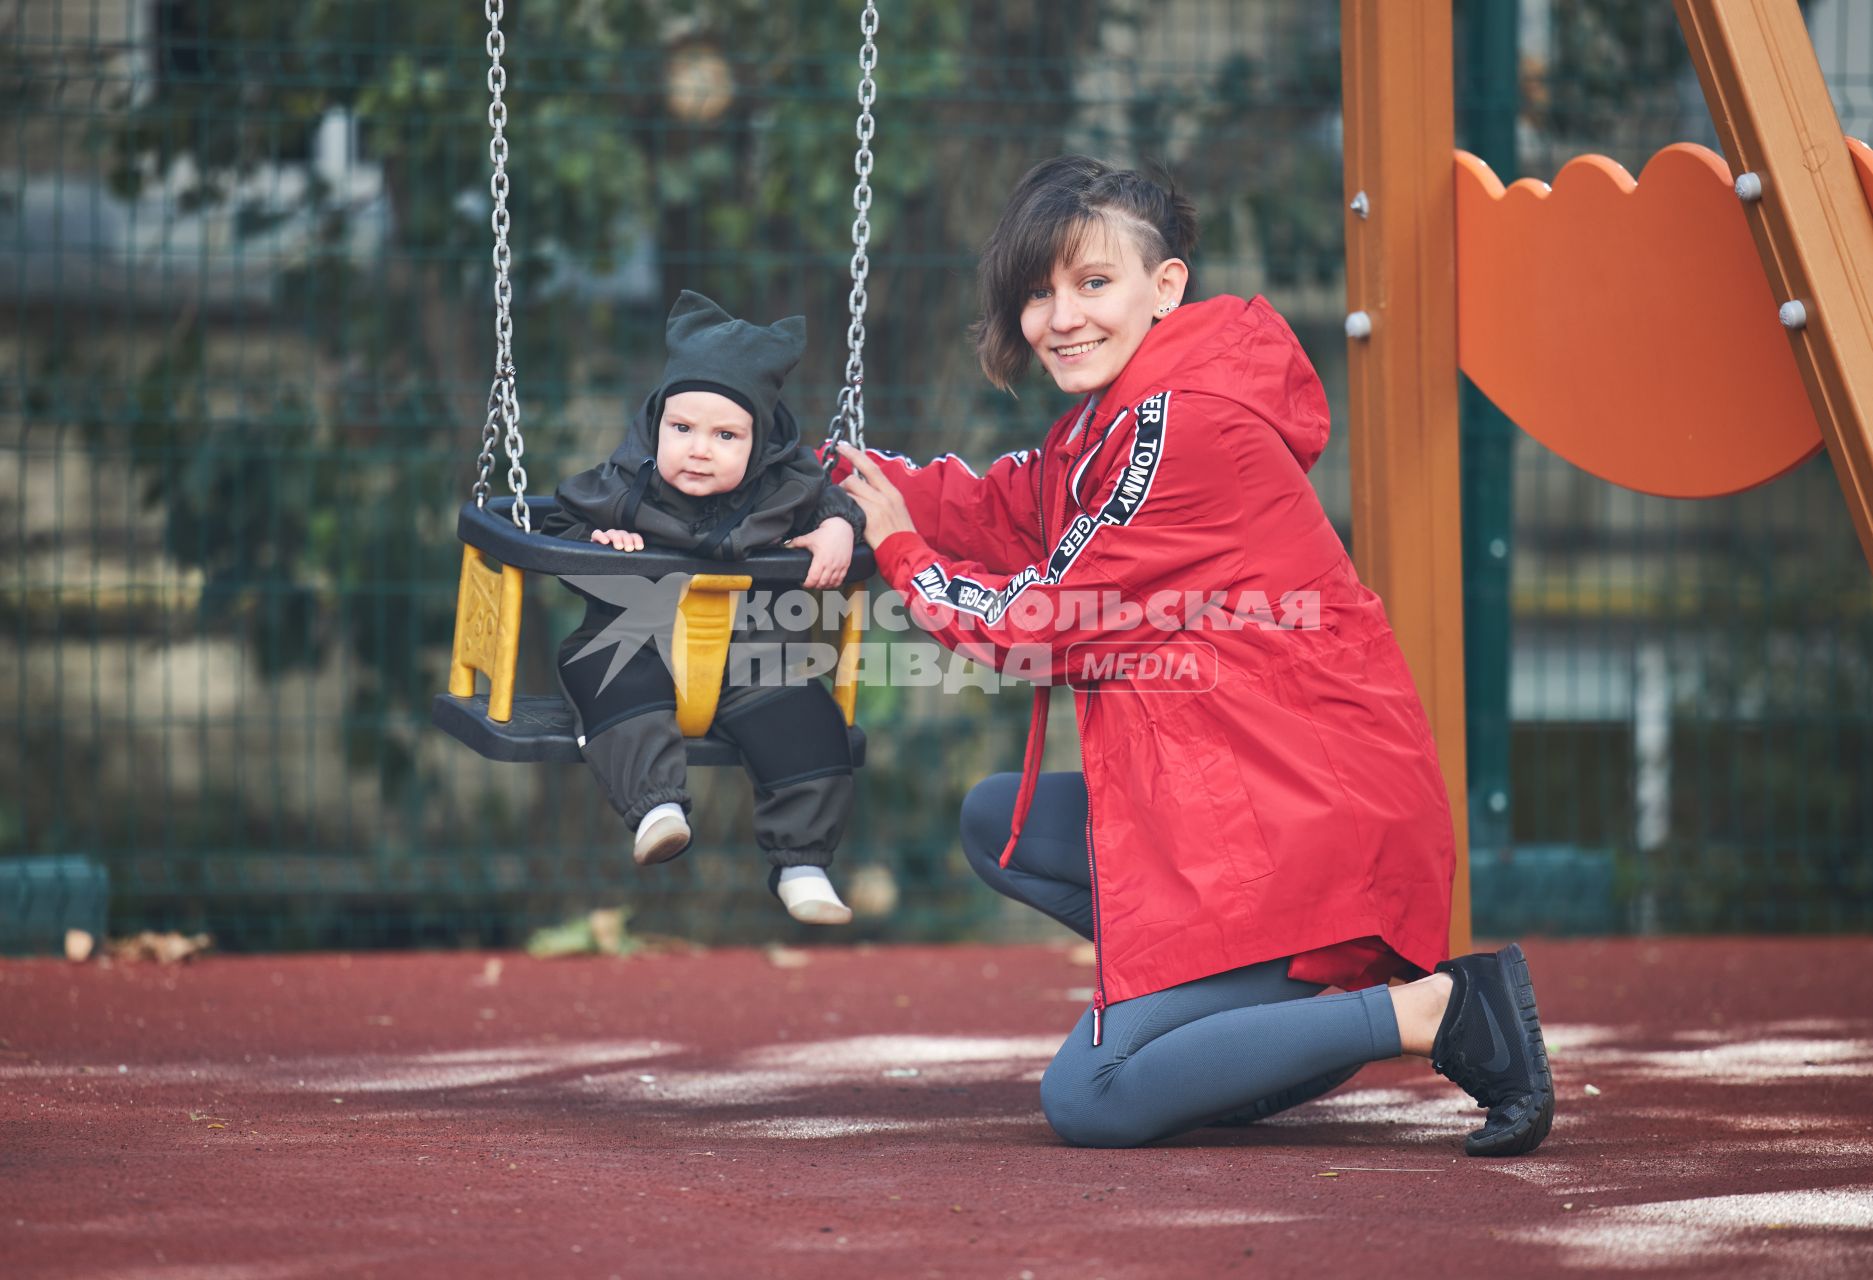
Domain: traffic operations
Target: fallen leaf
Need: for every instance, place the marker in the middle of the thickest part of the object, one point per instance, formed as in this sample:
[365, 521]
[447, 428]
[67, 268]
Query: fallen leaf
[1083, 954]
[78, 945]
[490, 975]
[1592, 1092]
[596, 933]
[788, 957]
[663, 944]
[163, 948]
[574, 938]
[608, 931]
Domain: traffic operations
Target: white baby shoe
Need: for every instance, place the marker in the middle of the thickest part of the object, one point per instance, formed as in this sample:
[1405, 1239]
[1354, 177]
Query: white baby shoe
[662, 835]
[810, 898]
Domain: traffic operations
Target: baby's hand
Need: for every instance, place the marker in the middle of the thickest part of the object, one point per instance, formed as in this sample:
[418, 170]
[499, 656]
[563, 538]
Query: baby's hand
[619, 539]
[831, 545]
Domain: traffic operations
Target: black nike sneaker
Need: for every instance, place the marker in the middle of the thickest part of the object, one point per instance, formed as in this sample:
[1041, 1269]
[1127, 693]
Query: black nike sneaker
[1490, 1045]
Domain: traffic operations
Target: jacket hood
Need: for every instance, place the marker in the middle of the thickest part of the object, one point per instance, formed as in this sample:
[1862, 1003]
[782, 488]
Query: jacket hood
[1243, 352]
[748, 362]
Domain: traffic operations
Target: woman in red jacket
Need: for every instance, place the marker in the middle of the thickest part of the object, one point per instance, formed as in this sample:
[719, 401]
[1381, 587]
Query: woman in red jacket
[1261, 814]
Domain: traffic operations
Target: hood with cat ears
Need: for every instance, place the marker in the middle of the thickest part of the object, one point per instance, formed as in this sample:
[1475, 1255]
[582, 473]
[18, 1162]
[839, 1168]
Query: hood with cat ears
[709, 350]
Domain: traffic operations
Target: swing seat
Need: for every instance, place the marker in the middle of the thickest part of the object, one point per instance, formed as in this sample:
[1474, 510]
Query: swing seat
[504, 726]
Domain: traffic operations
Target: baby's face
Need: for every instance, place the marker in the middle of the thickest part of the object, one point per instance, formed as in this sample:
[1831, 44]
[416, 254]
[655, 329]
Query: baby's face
[703, 443]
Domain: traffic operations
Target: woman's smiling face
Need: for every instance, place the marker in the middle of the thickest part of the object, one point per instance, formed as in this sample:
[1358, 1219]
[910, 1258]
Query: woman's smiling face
[1088, 319]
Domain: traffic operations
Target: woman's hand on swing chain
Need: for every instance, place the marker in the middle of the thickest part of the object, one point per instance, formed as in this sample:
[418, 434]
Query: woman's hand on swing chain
[618, 539]
[885, 512]
[831, 545]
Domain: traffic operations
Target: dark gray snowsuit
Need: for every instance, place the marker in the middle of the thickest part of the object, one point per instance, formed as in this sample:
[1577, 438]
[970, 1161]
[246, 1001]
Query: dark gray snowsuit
[792, 737]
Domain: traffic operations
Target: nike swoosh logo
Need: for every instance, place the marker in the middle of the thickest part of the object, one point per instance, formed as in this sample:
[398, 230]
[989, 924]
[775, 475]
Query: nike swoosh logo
[1501, 1057]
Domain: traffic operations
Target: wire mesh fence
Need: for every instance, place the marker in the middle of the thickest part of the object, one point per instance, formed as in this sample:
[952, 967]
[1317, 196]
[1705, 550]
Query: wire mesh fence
[243, 375]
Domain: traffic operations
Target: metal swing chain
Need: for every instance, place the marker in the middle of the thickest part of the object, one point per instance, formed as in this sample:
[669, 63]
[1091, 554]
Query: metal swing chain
[848, 422]
[503, 396]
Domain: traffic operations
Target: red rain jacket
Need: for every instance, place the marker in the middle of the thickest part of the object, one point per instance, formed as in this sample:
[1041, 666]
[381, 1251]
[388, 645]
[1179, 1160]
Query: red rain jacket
[1295, 808]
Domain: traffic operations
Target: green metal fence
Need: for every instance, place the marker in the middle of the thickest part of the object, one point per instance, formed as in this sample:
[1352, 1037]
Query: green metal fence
[1679, 734]
[244, 369]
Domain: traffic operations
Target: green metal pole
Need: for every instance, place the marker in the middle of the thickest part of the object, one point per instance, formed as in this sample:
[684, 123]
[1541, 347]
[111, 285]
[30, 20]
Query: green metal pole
[1488, 103]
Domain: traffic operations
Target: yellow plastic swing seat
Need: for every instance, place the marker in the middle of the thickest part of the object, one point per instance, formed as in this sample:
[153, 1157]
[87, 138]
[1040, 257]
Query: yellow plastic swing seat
[517, 728]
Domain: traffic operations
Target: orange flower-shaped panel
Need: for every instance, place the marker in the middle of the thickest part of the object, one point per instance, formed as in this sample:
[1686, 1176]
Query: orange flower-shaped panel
[1629, 326]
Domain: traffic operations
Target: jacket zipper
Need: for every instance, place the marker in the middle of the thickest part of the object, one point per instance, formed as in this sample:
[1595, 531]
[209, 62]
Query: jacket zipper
[1040, 495]
[1099, 968]
[1099, 950]
[1092, 865]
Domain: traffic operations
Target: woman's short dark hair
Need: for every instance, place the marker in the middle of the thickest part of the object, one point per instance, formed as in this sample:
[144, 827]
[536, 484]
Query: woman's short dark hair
[1053, 208]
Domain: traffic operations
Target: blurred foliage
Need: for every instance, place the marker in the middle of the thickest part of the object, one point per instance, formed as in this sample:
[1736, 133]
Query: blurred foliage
[1271, 160]
[311, 504]
[1613, 61]
[243, 88]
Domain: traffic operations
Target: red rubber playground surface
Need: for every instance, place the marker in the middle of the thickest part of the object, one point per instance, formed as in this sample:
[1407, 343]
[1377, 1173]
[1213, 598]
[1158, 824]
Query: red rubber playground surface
[874, 1113]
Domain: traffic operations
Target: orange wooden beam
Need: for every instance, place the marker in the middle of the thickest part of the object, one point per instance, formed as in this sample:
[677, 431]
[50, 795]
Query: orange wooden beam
[1811, 224]
[1401, 276]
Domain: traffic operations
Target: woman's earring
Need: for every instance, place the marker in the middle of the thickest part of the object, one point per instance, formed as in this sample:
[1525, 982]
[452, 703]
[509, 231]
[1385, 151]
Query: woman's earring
[1166, 310]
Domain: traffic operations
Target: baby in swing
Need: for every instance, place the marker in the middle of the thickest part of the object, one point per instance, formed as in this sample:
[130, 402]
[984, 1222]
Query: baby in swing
[713, 466]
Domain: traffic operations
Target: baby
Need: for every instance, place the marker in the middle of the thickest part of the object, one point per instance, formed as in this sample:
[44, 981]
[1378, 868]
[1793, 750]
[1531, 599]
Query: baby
[713, 467]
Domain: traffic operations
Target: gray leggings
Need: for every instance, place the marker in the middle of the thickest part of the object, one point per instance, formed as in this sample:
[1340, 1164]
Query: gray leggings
[1227, 1049]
